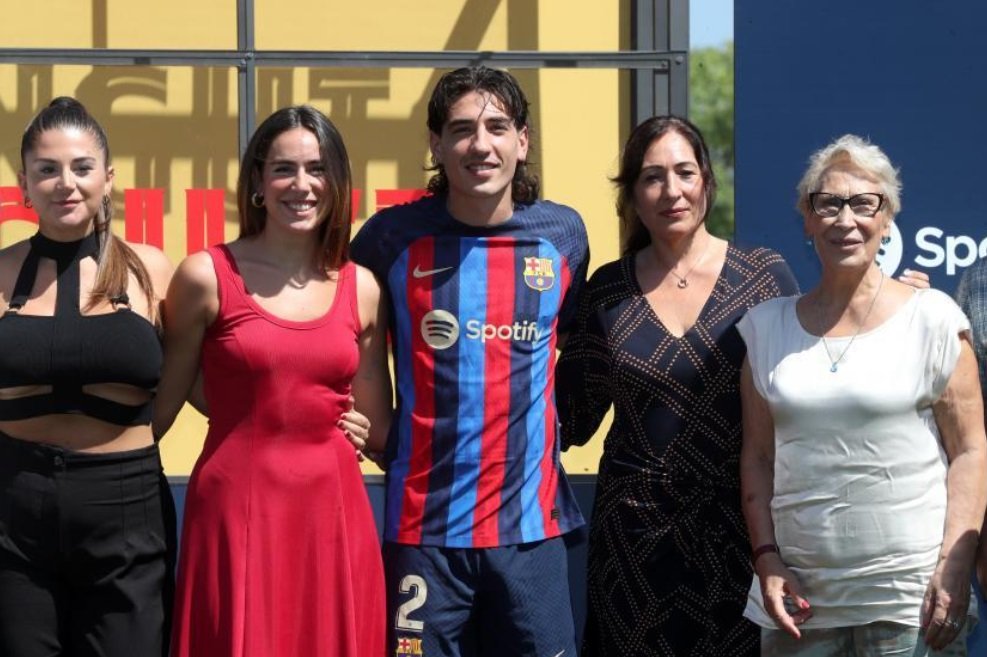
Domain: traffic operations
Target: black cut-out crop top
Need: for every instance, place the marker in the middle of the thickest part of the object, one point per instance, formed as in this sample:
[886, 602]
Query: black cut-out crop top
[70, 350]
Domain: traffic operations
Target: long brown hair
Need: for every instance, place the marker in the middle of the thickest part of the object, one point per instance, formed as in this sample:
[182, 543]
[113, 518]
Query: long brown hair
[633, 235]
[334, 229]
[116, 260]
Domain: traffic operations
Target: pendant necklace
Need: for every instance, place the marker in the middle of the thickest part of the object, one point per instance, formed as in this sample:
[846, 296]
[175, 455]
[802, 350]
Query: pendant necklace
[834, 363]
[684, 280]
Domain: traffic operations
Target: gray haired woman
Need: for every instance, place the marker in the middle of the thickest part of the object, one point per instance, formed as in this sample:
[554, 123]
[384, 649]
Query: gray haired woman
[864, 455]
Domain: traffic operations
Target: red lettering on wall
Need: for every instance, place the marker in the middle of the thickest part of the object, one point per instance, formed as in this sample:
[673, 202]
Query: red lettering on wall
[204, 218]
[388, 197]
[144, 216]
[205, 212]
[12, 206]
[355, 198]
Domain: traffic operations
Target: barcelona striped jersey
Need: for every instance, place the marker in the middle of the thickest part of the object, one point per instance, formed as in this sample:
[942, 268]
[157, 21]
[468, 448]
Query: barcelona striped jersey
[473, 453]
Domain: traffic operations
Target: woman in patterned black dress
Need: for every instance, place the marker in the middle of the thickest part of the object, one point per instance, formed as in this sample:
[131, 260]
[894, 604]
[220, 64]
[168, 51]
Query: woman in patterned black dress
[669, 558]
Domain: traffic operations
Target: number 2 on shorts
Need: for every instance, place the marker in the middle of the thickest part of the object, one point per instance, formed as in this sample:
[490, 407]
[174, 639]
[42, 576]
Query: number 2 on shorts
[408, 584]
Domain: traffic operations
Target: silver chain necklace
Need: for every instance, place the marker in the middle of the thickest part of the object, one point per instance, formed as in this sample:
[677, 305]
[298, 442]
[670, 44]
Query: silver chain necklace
[684, 280]
[834, 363]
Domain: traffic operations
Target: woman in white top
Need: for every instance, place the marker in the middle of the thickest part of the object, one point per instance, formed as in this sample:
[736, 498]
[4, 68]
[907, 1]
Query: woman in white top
[864, 456]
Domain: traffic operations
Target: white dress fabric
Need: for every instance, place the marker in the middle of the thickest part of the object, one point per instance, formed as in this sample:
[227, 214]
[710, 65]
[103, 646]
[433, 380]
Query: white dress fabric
[860, 473]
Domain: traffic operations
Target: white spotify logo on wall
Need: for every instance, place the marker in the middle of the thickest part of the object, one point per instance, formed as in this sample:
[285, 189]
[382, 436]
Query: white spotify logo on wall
[890, 254]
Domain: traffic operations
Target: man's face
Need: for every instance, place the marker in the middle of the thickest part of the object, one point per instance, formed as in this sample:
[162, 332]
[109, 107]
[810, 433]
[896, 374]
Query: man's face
[479, 149]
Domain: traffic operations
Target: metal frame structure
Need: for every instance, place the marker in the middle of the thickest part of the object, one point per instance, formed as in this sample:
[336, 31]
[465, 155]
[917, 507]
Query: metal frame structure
[658, 60]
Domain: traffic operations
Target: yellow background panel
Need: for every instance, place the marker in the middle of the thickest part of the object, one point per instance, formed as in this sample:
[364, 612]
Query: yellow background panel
[176, 24]
[440, 25]
[169, 128]
[174, 129]
[576, 130]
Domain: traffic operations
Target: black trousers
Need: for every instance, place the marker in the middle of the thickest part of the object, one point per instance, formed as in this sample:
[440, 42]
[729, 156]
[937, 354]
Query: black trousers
[86, 552]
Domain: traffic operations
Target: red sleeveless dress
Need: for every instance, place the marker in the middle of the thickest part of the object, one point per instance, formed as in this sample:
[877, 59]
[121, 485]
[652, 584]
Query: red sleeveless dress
[279, 553]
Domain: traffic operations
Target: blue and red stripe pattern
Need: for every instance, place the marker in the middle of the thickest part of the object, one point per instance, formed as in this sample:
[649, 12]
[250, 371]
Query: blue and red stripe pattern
[474, 452]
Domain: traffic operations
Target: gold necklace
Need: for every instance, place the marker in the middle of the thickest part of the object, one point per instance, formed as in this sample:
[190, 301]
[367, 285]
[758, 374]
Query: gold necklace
[684, 280]
[834, 363]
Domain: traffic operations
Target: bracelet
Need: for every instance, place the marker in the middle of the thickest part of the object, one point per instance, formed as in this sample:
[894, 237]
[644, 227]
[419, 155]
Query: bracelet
[762, 550]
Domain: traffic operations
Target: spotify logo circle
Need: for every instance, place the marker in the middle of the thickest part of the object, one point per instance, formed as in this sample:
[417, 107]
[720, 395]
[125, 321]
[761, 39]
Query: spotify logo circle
[440, 329]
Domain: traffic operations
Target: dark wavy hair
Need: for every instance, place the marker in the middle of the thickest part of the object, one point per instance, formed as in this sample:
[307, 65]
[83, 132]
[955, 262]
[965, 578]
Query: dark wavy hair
[454, 85]
[334, 229]
[115, 258]
[634, 236]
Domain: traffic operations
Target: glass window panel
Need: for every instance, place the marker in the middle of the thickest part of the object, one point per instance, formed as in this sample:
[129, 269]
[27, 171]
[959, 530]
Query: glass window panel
[173, 131]
[443, 25]
[381, 114]
[170, 128]
[577, 136]
[173, 137]
[177, 24]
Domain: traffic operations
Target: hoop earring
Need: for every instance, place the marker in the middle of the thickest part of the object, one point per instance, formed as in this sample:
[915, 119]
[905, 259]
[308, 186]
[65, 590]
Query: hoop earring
[257, 200]
[885, 240]
[27, 203]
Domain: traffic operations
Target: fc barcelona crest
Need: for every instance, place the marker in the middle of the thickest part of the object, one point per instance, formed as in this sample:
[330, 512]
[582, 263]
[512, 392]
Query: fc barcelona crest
[538, 274]
[409, 646]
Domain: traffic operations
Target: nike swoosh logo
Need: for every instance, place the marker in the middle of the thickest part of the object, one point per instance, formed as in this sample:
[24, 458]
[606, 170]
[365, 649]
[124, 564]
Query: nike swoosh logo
[559, 654]
[425, 273]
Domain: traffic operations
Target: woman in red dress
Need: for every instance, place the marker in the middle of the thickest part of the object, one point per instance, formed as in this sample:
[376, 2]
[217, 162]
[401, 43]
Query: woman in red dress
[279, 552]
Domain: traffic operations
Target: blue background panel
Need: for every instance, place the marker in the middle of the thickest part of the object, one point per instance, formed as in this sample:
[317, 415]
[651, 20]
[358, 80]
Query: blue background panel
[910, 76]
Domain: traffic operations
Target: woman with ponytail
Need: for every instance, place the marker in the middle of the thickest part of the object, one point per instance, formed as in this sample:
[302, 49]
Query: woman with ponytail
[86, 518]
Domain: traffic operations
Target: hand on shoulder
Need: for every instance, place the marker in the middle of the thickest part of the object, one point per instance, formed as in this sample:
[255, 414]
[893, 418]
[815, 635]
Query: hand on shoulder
[915, 278]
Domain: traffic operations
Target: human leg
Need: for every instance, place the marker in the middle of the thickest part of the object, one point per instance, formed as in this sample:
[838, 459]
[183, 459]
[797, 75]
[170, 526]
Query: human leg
[116, 542]
[878, 639]
[29, 587]
[430, 598]
[822, 642]
[525, 607]
[887, 639]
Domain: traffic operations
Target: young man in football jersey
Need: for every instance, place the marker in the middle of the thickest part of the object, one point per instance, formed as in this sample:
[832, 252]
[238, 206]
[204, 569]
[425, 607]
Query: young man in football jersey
[483, 279]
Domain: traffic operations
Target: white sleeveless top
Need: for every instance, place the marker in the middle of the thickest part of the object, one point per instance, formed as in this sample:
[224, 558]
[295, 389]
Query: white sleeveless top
[860, 474]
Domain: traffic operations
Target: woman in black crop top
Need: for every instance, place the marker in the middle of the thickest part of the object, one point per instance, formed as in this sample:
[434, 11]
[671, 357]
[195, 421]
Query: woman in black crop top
[86, 517]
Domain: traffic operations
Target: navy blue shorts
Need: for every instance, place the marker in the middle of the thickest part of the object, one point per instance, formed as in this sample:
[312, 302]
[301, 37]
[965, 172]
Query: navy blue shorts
[470, 602]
